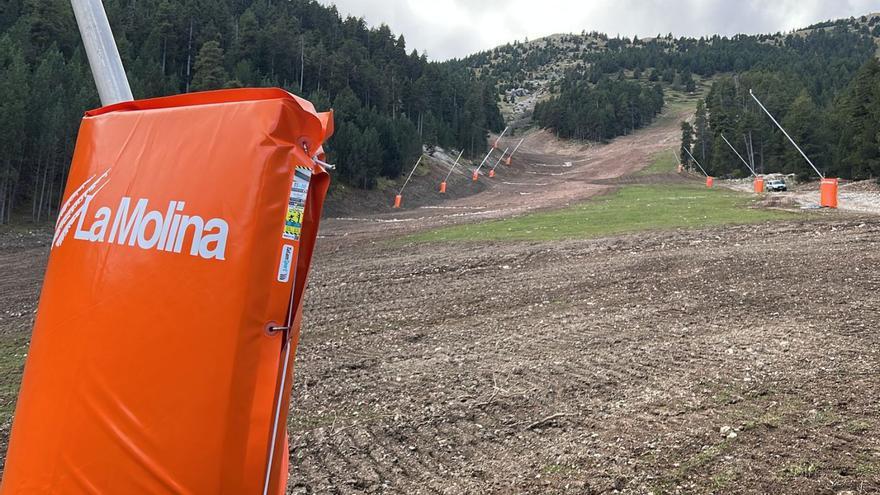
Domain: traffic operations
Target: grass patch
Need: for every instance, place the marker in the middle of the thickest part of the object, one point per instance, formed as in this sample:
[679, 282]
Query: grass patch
[13, 350]
[661, 163]
[630, 209]
[801, 470]
[858, 426]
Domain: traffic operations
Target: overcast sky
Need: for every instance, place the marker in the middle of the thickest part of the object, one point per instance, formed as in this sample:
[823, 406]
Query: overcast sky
[455, 28]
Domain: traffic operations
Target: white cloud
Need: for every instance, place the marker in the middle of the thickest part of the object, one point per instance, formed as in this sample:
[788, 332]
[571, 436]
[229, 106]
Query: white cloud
[456, 28]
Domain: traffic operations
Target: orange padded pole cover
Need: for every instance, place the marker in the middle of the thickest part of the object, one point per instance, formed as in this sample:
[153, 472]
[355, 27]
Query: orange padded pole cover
[759, 185]
[491, 173]
[443, 187]
[710, 181]
[397, 200]
[828, 193]
[507, 160]
[476, 176]
[186, 231]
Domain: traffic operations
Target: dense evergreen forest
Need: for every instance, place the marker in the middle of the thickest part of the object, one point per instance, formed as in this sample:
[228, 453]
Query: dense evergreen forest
[388, 102]
[822, 83]
[838, 129]
[600, 111]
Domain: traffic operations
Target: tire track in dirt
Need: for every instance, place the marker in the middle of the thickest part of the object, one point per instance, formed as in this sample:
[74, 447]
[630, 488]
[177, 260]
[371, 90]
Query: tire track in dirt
[646, 344]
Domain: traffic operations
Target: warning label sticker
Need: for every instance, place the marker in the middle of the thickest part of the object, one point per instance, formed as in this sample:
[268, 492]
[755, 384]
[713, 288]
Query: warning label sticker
[297, 203]
[286, 263]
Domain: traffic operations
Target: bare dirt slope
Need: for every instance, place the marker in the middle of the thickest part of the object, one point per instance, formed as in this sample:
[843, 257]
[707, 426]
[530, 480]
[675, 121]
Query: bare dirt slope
[544, 173]
[710, 361]
[724, 360]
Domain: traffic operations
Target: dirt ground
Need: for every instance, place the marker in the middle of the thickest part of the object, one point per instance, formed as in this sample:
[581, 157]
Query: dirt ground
[722, 360]
[595, 366]
[854, 197]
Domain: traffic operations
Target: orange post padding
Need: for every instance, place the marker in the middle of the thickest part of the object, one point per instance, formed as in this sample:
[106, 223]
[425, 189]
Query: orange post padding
[828, 193]
[491, 173]
[507, 160]
[397, 200]
[443, 187]
[186, 232]
[476, 176]
[710, 181]
[759, 185]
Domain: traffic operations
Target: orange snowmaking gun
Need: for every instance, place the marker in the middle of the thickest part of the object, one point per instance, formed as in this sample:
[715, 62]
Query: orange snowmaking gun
[162, 352]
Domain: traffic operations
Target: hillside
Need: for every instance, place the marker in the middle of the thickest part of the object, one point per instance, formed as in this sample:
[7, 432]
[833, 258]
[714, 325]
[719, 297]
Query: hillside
[531, 70]
[821, 82]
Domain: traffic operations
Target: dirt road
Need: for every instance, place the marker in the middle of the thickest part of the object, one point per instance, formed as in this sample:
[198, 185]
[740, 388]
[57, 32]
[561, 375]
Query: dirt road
[544, 173]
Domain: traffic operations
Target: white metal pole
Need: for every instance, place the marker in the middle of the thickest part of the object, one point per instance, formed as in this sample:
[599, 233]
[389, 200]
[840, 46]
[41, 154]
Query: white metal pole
[786, 133]
[517, 146]
[499, 160]
[484, 160]
[453, 166]
[695, 160]
[740, 156]
[101, 51]
[501, 136]
[410, 174]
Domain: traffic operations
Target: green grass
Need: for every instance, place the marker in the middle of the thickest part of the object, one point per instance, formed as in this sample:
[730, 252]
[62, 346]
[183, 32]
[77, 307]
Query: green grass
[662, 162]
[13, 349]
[630, 209]
[801, 470]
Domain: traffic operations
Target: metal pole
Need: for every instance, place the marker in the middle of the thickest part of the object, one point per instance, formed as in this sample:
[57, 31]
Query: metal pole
[411, 174]
[484, 160]
[695, 160]
[101, 50]
[502, 158]
[501, 136]
[786, 134]
[517, 146]
[453, 166]
[740, 156]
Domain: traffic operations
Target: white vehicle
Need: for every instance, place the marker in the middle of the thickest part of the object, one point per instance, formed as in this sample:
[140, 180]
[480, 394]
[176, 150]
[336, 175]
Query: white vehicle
[776, 186]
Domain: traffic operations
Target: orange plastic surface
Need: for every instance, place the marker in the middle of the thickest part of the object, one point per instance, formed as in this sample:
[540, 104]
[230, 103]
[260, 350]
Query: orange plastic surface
[442, 187]
[710, 181]
[491, 173]
[397, 200]
[828, 193]
[151, 370]
[476, 176]
[759, 185]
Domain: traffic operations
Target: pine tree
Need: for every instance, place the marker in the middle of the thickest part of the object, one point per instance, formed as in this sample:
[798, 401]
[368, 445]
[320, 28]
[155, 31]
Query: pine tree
[703, 142]
[687, 142]
[209, 72]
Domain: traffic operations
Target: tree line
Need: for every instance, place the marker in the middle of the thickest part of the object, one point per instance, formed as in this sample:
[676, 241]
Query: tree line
[389, 102]
[821, 82]
[841, 136]
[601, 111]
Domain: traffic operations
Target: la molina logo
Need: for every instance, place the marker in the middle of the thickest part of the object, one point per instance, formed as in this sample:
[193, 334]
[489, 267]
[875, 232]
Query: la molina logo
[131, 222]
